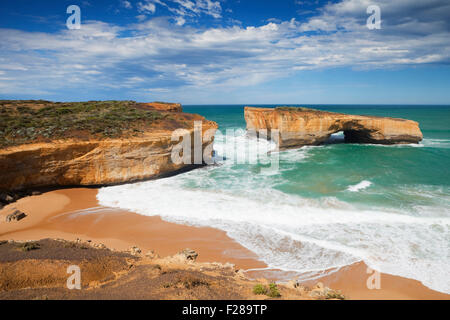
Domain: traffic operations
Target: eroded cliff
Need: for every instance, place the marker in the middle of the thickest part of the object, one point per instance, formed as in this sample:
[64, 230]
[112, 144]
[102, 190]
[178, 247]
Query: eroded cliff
[302, 126]
[140, 150]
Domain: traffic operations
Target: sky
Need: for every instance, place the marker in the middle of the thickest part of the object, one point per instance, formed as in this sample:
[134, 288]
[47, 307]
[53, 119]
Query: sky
[227, 51]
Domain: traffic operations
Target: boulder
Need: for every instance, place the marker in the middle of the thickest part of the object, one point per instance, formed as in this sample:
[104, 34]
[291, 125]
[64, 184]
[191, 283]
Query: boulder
[135, 250]
[189, 254]
[319, 291]
[241, 273]
[6, 198]
[319, 286]
[15, 216]
[152, 255]
[99, 246]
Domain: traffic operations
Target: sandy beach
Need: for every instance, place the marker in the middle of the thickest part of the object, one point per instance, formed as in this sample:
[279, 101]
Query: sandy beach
[75, 213]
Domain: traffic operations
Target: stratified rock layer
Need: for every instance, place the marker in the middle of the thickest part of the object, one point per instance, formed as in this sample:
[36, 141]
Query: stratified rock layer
[73, 162]
[163, 106]
[301, 126]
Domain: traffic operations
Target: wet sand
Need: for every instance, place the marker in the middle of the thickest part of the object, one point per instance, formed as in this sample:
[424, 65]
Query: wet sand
[75, 213]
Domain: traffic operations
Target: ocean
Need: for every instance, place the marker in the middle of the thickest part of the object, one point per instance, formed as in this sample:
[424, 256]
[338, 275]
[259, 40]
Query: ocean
[326, 206]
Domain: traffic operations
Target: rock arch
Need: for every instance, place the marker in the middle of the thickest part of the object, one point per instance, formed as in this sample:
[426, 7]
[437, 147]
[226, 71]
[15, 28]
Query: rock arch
[301, 126]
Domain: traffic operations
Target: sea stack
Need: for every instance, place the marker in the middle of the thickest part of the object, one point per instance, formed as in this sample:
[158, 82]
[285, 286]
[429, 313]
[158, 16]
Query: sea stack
[299, 127]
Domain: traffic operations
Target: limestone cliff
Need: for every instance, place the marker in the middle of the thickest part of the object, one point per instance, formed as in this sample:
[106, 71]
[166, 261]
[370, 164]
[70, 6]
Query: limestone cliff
[301, 126]
[98, 160]
[163, 106]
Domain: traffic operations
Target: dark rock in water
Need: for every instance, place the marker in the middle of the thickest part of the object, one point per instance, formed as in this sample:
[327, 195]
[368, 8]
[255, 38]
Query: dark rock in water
[15, 216]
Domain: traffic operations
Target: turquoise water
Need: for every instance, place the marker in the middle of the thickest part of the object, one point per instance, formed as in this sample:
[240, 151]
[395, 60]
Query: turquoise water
[395, 172]
[326, 206]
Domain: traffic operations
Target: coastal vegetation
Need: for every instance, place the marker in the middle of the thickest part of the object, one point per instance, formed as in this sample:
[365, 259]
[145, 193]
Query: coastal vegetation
[52, 144]
[25, 121]
[286, 108]
[28, 246]
[40, 272]
[270, 291]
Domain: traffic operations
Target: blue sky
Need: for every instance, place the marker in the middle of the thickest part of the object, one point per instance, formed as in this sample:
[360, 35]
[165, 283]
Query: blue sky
[227, 51]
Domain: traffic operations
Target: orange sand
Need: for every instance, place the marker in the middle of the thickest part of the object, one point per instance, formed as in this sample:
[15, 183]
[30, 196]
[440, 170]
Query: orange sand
[51, 215]
[55, 214]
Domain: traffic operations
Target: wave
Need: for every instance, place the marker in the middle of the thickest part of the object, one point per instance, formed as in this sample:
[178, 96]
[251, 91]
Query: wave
[290, 232]
[360, 186]
[436, 143]
[425, 143]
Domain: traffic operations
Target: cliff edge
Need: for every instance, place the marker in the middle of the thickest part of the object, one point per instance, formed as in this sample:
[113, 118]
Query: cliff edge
[47, 144]
[302, 126]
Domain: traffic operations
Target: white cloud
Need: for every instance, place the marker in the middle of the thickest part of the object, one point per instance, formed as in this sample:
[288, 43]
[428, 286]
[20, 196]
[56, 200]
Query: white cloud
[190, 8]
[180, 21]
[161, 54]
[141, 17]
[127, 4]
[147, 7]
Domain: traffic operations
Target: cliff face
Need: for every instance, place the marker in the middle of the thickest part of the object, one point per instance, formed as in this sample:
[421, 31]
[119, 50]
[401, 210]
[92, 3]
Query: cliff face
[98, 161]
[301, 126]
[163, 106]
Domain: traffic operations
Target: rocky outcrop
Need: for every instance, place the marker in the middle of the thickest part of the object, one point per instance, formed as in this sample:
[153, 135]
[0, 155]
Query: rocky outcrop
[163, 106]
[189, 254]
[9, 197]
[38, 270]
[301, 126]
[15, 216]
[77, 162]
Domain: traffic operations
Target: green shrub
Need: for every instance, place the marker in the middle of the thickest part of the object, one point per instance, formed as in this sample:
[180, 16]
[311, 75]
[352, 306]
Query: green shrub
[271, 291]
[259, 289]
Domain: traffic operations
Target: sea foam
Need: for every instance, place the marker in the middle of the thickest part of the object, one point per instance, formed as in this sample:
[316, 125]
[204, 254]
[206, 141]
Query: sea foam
[360, 186]
[290, 232]
[303, 235]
